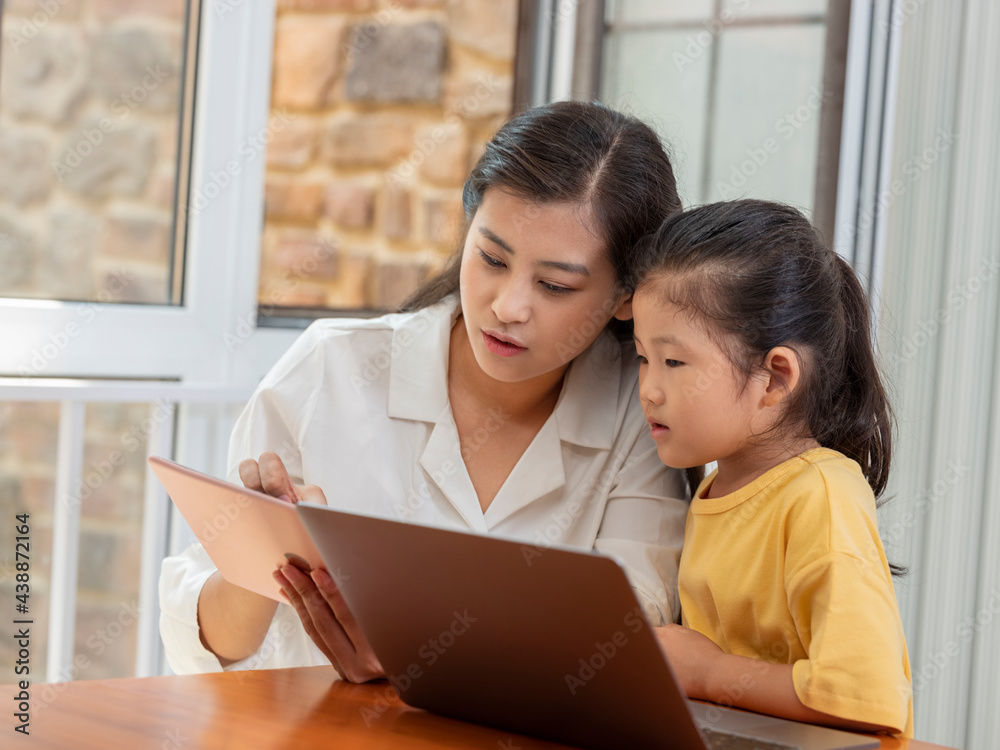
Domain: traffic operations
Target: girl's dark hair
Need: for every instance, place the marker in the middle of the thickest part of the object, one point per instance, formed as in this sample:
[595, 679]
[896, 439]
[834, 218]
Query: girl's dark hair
[761, 275]
[574, 152]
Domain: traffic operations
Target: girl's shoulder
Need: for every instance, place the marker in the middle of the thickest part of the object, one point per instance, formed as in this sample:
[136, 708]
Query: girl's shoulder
[827, 489]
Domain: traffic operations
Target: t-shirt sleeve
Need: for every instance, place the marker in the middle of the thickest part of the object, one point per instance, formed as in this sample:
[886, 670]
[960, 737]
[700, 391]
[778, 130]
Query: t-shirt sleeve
[845, 609]
[643, 522]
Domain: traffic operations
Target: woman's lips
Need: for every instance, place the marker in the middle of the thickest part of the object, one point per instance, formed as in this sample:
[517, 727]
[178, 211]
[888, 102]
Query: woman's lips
[502, 347]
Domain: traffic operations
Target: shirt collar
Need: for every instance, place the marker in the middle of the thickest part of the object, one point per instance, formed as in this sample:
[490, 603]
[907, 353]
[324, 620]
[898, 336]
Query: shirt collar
[418, 377]
[418, 372]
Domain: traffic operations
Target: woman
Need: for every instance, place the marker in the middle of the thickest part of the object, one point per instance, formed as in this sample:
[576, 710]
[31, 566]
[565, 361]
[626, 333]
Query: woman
[499, 401]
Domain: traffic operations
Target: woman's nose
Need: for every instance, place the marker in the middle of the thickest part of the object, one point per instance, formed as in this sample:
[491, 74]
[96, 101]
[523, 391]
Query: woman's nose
[512, 302]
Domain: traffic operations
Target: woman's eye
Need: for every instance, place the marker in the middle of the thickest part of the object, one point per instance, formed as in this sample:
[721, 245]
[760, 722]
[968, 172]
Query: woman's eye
[673, 363]
[642, 360]
[555, 288]
[490, 260]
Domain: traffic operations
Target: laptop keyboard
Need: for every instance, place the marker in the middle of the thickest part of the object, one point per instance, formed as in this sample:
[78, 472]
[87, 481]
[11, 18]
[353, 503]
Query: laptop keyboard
[725, 741]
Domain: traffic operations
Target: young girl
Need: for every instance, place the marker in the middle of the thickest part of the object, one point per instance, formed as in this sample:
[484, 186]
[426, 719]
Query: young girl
[755, 352]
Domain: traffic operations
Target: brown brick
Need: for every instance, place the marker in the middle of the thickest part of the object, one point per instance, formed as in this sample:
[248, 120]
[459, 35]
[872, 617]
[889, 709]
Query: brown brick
[368, 140]
[443, 220]
[396, 62]
[396, 213]
[478, 95]
[352, 285]
[487, 26]
[293, 146]
[446, 154]
[350, 205]
[394, 282]
[292, 199]
[306, 61]
[301, 256]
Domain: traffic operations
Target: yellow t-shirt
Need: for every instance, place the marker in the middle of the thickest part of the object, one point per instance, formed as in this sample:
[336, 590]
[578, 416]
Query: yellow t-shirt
[790, 569]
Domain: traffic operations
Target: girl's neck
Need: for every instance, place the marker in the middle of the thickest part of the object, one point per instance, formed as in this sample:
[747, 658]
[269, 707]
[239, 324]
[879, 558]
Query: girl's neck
[738, 471]
[526, 400]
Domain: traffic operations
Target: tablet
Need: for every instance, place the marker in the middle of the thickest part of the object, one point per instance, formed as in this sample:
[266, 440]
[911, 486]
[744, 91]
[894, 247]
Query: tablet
[247, 534]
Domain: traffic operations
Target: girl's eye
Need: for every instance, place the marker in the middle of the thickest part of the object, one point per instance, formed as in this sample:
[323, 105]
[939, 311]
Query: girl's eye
[490, 260]
[673, 363]
[642, 360]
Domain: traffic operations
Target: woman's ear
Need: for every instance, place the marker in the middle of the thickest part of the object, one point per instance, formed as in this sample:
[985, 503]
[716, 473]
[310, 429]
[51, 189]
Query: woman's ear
[624, 311]
[784, 372]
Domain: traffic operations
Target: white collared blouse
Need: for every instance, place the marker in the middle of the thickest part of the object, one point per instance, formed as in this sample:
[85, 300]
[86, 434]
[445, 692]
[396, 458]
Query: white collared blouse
[360, 408]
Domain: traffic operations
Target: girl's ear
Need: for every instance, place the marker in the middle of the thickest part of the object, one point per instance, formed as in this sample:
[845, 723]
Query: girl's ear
[624, 311]
[784, 370]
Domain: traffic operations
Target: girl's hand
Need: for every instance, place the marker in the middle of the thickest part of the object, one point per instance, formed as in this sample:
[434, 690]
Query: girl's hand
[326, 618]
[692, 657]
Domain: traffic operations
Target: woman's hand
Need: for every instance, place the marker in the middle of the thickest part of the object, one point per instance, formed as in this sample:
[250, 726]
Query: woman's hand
[315, 597]
[328, 621]
[692, 657]
[269, 475]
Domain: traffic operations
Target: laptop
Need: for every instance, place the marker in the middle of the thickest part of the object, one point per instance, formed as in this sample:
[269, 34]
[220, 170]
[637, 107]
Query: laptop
[247, 534]
[544, 641]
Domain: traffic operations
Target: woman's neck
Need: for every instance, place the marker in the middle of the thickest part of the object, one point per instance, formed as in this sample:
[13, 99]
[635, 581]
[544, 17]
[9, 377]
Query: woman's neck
[525, 400]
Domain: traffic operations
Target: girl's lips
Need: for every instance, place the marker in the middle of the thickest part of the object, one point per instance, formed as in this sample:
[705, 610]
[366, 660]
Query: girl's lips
[501, 347]
[657, 430]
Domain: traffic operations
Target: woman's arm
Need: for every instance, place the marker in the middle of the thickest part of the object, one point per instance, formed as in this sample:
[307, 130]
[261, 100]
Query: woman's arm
[706, 672]
[232, 620]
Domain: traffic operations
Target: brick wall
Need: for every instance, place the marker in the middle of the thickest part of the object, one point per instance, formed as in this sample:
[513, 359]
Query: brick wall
[379, 110]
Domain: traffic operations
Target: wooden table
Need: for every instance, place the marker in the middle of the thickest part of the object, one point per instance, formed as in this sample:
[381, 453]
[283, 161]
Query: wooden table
[280, 708]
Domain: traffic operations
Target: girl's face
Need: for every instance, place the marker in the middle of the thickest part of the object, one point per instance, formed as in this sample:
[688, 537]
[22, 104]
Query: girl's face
[694, 400]
[536, 285]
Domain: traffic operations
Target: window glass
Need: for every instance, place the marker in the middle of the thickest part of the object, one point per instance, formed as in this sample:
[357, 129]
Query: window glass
[89, 126]
[736, 96]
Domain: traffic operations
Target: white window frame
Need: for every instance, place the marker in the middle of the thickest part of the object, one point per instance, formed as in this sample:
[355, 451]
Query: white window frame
[205, 355]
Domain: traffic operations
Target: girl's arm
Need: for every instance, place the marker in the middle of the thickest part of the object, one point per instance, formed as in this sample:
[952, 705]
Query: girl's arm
[706, 672]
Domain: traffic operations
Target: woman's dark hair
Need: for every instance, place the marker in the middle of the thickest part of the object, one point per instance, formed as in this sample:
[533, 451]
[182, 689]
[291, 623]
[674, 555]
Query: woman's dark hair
[762, 276]
[574, 152]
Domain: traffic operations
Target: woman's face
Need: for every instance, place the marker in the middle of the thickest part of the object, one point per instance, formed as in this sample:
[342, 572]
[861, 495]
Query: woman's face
[536, 284]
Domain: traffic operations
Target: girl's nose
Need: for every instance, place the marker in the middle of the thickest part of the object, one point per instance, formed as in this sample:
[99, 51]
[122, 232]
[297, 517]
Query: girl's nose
[648, 390]
[512, 302]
